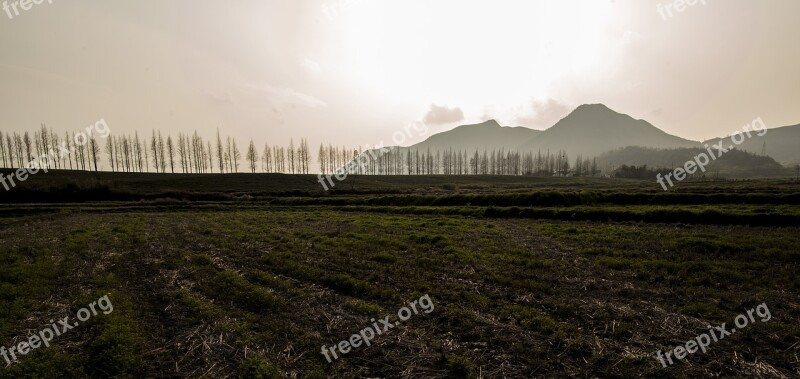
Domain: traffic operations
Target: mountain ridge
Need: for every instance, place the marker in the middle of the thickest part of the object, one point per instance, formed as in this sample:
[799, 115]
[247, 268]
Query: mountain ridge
[593, 129]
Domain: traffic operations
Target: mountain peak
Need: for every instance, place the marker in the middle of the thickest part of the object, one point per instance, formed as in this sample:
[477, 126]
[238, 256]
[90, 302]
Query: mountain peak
[492, 123]
[599, 107]
[592, 114]
[592, 129]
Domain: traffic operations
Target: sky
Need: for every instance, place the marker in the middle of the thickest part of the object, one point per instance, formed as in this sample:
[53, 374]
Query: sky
[353, 72]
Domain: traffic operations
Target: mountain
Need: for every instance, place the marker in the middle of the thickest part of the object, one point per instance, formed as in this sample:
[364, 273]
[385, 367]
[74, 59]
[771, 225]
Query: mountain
[733, 164]
[593, 129]
[487, 135]
[779, 143]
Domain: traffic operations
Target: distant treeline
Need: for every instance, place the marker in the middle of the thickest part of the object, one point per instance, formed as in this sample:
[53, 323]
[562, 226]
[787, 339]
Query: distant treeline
[19, 150]
[405, 161]
[645, 163]
[186, 154]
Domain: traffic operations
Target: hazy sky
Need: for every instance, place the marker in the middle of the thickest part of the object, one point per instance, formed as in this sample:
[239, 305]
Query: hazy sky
[355, 71]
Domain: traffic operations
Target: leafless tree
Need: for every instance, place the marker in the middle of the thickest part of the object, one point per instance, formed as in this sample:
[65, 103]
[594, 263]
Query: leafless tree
[154, 150]
[252, 156]
[236, 157]
[171, 154]
[110, 151]
[220, 154]
[210, 156]
[94, 148]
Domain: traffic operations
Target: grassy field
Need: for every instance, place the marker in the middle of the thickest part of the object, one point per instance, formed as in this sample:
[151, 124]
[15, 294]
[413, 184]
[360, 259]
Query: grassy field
[250, 275]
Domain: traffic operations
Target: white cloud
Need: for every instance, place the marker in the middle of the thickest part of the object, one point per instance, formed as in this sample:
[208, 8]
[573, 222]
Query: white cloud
[542, 114]
[218, 98]
[438, 115]
[311, 66]
[283, 96]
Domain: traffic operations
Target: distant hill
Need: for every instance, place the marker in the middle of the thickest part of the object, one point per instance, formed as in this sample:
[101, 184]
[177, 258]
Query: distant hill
[488, 135]
[733, 164]
[781, 144]
[593, 129]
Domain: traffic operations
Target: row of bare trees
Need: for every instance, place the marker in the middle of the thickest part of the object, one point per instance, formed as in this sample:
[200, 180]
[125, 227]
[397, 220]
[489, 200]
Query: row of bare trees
[280, 159]
[73, 151]
[404, 161]
[190, 153]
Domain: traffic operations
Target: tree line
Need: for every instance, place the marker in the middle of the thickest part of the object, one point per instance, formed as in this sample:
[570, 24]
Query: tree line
[409, 161]
[191, 153]
[18, 150]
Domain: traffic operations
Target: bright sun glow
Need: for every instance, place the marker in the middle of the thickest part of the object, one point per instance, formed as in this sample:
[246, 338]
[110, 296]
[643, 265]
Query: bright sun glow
[498, 53]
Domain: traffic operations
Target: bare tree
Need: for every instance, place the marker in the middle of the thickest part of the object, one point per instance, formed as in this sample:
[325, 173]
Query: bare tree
[81, 154]
[229, 156]
[171, 154]
[139, 153]
[236, 157]
[68, 146]
[154, 150]
[306, 156]
[27, 140]
[10, 148]
[18, 145]
[146, 158]
[220, 154]
[252, 156]
[161, 154]
[267, 158]
[182, 152]
[291, 156]
[110, 152]
[126, 153]
[54, 143]
[94, 149]
[322, 159]
[210, 156]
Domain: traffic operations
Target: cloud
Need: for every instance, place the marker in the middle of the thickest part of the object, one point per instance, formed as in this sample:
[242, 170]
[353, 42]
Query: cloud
[282, 97]
[261, 99]
[311, 66]
[542, 113]
[443, 115]
[217, 99]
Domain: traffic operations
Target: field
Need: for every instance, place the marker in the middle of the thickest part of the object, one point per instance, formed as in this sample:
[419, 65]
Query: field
[251, 275]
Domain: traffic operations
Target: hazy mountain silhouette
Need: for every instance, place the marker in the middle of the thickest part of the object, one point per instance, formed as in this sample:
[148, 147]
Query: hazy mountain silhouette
[589, 130]
[484, 136]
[593, 129]
[734, 163]
[779, 143]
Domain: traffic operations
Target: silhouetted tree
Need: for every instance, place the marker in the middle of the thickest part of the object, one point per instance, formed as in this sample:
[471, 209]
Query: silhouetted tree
[171, 154]
[252, 156]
